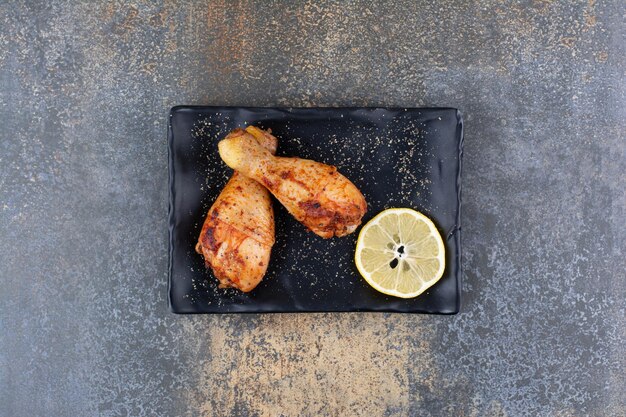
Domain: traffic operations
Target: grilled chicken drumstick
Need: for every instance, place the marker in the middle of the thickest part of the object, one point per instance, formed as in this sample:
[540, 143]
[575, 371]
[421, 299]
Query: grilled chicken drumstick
[316, 194]
[238, 233]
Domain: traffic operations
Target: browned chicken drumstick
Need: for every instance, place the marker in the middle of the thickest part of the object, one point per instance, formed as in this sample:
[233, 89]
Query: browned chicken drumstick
[315, 194]
[238, 233]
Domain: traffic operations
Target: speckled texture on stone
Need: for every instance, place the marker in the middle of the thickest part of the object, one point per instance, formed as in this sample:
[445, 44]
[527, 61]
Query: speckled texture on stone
[85, 88]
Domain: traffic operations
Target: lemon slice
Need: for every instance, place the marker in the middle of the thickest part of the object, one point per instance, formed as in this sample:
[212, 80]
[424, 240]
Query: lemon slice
[400, 252]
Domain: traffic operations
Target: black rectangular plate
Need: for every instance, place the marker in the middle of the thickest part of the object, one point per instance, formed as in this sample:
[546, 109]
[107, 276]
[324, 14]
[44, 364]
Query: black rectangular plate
[396, 157]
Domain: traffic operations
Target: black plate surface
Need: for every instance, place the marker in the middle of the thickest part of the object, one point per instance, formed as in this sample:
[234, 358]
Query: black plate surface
[397, 158]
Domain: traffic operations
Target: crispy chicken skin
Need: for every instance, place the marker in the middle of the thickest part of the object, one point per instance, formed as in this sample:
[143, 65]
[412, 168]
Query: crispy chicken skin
[238, 233]
[316, 194]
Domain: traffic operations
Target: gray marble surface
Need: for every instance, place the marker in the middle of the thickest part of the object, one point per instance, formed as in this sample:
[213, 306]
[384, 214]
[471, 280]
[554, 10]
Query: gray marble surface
[84, 93]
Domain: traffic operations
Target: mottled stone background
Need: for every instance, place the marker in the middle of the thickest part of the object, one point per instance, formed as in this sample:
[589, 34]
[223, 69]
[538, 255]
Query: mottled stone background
[85, 88]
